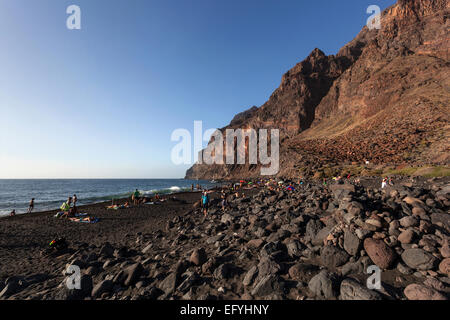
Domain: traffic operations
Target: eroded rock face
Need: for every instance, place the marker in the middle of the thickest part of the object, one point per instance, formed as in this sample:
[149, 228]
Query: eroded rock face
[378, 99]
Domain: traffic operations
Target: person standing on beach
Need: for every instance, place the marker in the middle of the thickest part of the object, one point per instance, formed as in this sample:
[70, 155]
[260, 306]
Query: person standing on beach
[205, 203]
[136, 195]
[31, 206]
[224, 202]
[74, 200]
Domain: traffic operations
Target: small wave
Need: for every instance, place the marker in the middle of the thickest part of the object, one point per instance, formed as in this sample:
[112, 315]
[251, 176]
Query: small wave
[4, 213]
[163, 190]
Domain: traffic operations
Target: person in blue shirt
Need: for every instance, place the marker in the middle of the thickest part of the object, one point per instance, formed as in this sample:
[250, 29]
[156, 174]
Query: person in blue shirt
[205, 203]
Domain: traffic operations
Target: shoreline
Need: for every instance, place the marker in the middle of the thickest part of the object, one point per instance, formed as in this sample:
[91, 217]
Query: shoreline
[87, 205]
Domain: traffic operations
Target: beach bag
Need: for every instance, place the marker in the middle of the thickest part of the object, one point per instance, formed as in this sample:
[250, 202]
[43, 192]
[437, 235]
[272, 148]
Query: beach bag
[59, 244]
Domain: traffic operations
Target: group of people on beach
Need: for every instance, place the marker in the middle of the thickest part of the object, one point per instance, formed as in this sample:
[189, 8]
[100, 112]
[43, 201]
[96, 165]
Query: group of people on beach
[386, 181]
[136, 200]
[30, 208]
[68, 208]
[197, 187]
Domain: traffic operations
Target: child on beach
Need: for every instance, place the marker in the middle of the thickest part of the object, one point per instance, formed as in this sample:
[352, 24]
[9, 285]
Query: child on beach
[13, 213]
[31, 206]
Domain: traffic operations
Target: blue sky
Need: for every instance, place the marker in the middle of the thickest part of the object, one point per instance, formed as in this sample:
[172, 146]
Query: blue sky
[102, 102]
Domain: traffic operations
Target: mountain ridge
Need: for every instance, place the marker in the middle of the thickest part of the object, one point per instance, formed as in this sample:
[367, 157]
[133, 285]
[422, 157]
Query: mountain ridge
[382, 98]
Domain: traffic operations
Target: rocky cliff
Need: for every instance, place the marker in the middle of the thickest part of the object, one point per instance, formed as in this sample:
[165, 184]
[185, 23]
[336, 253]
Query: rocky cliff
[383, 98]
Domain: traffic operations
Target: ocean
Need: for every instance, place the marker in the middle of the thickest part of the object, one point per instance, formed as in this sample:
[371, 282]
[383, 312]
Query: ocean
[49, 194]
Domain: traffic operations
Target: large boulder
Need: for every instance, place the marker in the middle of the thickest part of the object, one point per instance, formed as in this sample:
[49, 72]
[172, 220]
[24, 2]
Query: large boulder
[302, 272]
[101, 288]
[379, 252]
[418, 259]
[444, 266]
[333, 257]
[324, 285]
[268, 285]
[198, 257]
[312, 228]
[353, 290]
[352, 244]
[169, 283]
[321, 236]
[250, 276]
[421, 292]
[132, 274]
[443, 218]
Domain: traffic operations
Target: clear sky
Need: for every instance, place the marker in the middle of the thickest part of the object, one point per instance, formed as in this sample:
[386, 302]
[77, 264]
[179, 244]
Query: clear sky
[103, 101]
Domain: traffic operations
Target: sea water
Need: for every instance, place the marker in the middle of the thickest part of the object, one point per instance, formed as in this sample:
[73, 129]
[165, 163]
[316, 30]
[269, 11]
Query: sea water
[49, 194]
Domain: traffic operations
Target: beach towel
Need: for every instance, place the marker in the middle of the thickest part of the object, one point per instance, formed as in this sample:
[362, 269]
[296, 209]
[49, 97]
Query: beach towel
[77, 215]
[93, 221]
[117, 207]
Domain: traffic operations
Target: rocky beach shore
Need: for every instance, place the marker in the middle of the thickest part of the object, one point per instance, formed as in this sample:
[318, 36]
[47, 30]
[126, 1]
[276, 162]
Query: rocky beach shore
[314, 242]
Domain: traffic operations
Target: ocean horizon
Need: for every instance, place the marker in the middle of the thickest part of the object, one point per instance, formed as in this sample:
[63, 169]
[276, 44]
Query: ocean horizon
[49, 194]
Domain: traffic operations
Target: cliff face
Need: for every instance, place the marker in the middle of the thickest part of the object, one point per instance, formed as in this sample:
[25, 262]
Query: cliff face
[384, 97]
